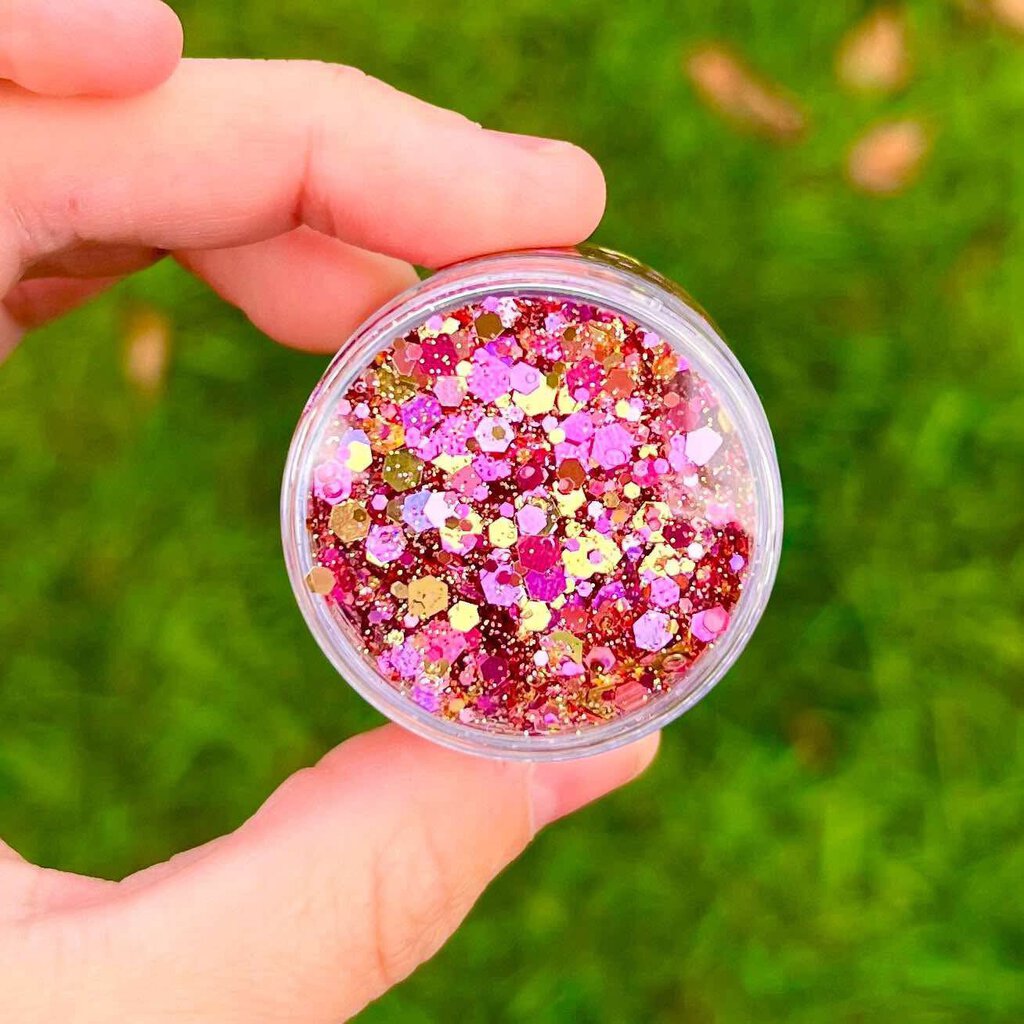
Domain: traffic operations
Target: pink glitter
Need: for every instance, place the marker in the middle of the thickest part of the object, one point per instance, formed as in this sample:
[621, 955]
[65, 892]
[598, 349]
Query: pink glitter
[535, 517]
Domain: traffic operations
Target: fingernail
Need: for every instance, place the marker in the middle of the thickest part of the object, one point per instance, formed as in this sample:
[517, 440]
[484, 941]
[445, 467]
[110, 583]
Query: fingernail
[533, 143]
[559, 789]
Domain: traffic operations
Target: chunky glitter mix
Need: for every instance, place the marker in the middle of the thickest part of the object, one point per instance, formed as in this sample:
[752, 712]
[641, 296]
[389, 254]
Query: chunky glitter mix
[531, 515]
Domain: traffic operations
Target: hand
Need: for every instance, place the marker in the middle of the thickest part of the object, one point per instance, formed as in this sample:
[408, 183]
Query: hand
[298, 191]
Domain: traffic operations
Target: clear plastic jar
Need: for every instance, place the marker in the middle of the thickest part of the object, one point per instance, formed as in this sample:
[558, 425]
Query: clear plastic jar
[532, 509]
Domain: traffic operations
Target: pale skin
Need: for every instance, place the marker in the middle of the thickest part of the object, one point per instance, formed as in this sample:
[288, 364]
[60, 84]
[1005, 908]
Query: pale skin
[302, 193]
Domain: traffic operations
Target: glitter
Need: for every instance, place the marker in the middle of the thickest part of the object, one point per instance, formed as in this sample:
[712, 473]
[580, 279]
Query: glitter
[320, 580]
[402, 470]
[701, 444]
[516, 513]
[709, 625]
[427, 596]
[502, 533]
[464, 616]
[651, 631]
[349, 521]
[536, 616]
[531, 519]
[488, 326]
[538, 401]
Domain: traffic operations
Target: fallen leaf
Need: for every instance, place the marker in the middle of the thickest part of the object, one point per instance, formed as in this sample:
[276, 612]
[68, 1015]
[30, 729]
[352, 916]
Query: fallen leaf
[147, 346]
[874, 56]
[727, 85]
[1009, 12]
[888, 157]
[812, 739]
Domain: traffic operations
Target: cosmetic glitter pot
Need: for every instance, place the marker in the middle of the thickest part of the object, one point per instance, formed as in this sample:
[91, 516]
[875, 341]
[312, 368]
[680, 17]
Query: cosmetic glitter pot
[533, 510]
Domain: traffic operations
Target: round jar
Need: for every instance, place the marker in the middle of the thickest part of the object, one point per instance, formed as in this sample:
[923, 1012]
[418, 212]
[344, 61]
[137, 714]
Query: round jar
[532, 509]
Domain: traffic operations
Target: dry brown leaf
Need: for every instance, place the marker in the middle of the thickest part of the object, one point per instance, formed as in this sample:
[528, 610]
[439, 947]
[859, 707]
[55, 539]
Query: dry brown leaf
[874, 56]
[888, 157]
[147, 348]
[812, 739]
[727, 85]
[1009, 12]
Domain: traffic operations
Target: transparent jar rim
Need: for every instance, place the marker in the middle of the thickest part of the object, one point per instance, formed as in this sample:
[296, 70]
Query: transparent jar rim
[594, 276]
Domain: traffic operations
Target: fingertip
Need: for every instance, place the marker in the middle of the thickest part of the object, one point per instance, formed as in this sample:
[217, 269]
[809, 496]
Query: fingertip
[101, 48]
[561, 194]
[144, 41]
[559, 789]
[591, 191]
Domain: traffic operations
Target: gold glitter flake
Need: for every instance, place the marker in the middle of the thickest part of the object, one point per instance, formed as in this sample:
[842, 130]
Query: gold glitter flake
[320, 579]
[402, 470]
[427, 596]
[349, 521]
[488, 326]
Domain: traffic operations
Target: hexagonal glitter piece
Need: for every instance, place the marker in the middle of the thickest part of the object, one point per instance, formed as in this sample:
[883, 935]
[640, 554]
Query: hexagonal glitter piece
[349, 521]
[525, 378]
[664, 592]
[320, 579]
[427, 596]
[536, 616]
[702, 444]
[463, 616]
[651, 631]
[538, 402]
[384, 544]
[488, 326]
[493, 434]
[502, 533]
[402, 470]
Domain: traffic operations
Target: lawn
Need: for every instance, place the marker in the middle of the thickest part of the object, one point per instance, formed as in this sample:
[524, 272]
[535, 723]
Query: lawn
[833, 835]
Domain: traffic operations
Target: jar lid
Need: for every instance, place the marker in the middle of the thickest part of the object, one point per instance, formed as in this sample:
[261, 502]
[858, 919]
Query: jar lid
[533, 508]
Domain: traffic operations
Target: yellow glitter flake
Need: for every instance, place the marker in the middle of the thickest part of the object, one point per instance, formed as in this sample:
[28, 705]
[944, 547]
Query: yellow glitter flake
[653, 516]
[459, 537]
[349, 521]
[537, 402]
[564, 643]
[451, 463]
[570, 503]
[463, 616]
[657, 559]
[320, 579]
[596, 553]
[631, 490]
[502, 533]
[427, 596]
[402, 470]
[360, 456]
[566, 403]
[536, 616]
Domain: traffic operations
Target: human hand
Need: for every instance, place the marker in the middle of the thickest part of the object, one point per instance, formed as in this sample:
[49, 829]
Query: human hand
[298, 191]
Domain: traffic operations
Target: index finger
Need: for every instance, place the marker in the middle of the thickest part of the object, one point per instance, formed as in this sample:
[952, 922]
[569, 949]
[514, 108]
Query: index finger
[231, 152]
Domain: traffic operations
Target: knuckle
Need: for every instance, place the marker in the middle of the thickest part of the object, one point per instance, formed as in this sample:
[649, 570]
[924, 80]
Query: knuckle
[414, 903]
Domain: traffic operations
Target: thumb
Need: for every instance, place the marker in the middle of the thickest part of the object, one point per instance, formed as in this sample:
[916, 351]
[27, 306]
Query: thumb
[352, 874]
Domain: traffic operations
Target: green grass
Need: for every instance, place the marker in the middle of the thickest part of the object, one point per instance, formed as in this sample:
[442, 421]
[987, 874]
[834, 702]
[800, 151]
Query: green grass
[834, 835]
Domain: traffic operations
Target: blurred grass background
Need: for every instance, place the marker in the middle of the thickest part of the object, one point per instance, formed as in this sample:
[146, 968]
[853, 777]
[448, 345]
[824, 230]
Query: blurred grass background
[835, 833]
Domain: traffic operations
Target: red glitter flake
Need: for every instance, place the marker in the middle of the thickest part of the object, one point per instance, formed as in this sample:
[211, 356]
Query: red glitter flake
[536, 517]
